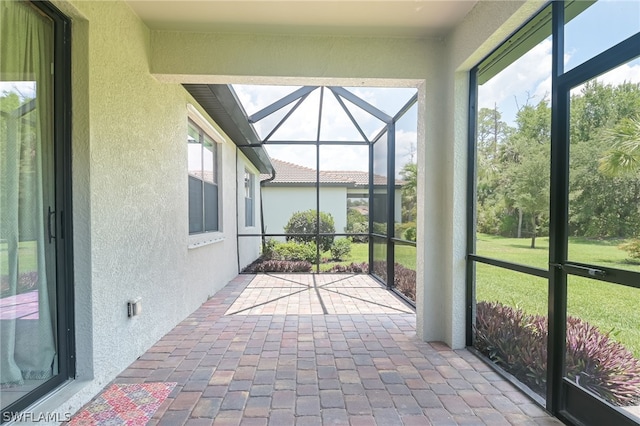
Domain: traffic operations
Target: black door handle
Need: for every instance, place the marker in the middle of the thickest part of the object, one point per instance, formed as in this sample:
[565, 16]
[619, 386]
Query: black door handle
[594, 272]
[51, 213]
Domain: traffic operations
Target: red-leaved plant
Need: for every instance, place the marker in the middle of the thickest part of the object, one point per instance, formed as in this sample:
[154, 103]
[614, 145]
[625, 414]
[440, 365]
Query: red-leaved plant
[353, 267]
[278, 266]
[518, 343]
[404, 279]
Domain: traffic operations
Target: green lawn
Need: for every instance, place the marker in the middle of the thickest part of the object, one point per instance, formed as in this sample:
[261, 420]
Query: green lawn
[608, 306]
[27, 257]
[405, 255]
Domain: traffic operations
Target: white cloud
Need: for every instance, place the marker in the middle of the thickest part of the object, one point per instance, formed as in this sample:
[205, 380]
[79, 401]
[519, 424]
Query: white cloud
[629, 72]
[626, 73]
[526, 79]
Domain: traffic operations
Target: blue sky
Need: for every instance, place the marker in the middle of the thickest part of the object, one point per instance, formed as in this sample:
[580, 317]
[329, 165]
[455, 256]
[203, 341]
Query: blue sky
[601, 26]
[336, 125]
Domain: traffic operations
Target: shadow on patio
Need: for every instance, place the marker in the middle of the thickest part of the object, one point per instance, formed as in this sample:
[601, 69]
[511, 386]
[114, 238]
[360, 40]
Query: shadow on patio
[319, 349]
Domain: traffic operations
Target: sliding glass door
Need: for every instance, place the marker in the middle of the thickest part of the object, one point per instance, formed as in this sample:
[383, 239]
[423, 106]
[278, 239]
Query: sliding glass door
[601, 273]
[32, 323]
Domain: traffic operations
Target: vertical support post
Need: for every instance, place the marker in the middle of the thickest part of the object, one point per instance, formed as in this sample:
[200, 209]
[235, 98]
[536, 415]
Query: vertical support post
[558, 232]
[391, 201]
[371, 207]
[318, 239]
[471, 206]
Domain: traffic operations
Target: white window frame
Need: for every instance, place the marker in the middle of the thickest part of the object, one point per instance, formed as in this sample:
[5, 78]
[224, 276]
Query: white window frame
[206, 238]
[250, 189]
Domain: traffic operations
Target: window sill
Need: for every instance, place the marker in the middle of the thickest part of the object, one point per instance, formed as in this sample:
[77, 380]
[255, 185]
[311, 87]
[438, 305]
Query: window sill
[201, 240]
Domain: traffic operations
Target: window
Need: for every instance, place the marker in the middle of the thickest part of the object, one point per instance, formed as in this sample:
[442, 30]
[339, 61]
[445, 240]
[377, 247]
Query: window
[204, 179]
[249, 188]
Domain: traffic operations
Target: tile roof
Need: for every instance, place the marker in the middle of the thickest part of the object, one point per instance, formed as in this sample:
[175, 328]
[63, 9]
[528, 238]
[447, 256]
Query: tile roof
[289, 173]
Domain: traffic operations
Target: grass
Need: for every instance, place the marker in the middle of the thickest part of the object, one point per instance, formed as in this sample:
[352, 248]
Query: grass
[610, 307]
[405, 255]
[27, 257]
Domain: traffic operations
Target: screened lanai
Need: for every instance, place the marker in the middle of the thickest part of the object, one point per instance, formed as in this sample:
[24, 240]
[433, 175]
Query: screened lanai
[337, 188]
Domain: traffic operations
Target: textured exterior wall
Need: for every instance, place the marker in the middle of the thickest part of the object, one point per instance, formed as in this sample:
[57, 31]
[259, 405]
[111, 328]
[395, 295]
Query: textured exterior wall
[248, 247]
[231, 58]
[130, 198]
[281, 202]
[488, 24]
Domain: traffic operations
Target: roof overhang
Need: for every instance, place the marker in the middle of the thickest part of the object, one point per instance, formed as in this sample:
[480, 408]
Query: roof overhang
[222, 105]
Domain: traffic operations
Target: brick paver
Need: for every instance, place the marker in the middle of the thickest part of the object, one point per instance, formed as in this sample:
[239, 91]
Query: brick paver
[302, 349]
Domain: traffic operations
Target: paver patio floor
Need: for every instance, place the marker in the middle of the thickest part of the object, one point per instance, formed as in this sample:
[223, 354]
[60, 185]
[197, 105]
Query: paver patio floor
[320, 350]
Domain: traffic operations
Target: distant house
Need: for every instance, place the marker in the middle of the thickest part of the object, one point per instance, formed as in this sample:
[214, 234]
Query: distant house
[294, 189]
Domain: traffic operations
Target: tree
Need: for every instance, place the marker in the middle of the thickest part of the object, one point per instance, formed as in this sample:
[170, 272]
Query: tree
[527, 167]
[409, 175]
[492, 131]
[307, 223]
[530, 188]
[604, 179]
[624, 154]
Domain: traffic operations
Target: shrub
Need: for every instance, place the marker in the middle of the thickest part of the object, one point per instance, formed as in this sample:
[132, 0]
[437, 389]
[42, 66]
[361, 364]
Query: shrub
[410, 234]
[340, 249]
[359, 228]
[601, 364]
[278, 266]
[517, 342]
[353, 217]
[268, 247]
[400, 228]
[305, 223]
[356, 268]
[632, 247]
[404, 279]
[380, 228]
[514, 341]
[294, 251]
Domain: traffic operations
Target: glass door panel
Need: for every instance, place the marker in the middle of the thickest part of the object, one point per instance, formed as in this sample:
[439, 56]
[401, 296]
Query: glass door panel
[602, 351]
[604, 177]
[28, 298]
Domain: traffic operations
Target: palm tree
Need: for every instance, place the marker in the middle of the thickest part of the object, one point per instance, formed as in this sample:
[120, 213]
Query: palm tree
[624, 154]
[624, 157]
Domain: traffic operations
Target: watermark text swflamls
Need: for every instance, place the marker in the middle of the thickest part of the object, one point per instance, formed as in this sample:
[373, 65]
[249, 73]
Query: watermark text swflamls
[28, 417]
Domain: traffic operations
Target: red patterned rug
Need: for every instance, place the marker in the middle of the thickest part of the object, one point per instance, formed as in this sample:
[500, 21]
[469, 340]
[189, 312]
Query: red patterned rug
[130, 405]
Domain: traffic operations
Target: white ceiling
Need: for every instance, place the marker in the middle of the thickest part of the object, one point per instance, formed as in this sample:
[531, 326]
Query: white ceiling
[401, 18]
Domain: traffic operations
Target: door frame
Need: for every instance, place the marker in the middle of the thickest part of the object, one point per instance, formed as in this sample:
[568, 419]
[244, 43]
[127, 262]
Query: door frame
[62, 221]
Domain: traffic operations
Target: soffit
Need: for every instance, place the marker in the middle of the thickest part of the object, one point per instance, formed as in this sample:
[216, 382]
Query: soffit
[383, 18]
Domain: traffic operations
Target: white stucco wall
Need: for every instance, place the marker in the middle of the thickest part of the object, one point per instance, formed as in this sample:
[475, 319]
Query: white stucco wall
[281, 202]
[248, 247]
[130, 201]
[486, 27]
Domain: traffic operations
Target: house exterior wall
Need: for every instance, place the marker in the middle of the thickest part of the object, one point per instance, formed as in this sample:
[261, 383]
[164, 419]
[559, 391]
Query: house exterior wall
[130, 169]
[130, 198]
[248, 247]
[487, 26]
[397, 214]
[281, 202]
